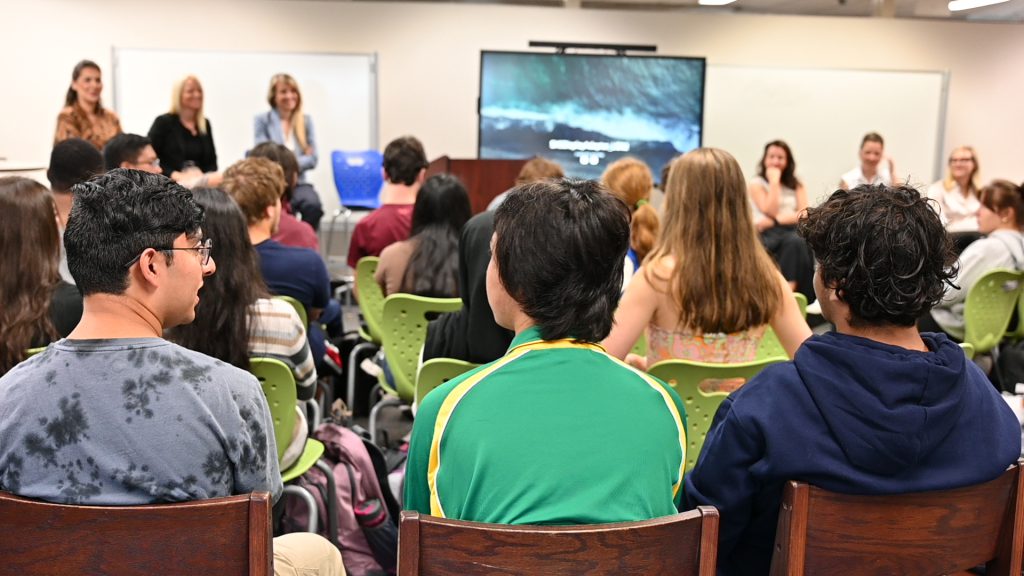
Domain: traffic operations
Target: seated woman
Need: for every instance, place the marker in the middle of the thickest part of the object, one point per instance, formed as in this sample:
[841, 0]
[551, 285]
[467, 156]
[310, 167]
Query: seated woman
[237, 319]
[779, 199]
[183, 138]
[874, 167]
[1000, 218]
[631, 181]
[957, 197]
[427, 264]
[36, 307]
[709, 289]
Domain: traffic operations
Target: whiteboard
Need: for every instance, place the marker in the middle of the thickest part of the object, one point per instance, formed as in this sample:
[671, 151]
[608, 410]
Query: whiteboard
[339, 92]
[823, 114]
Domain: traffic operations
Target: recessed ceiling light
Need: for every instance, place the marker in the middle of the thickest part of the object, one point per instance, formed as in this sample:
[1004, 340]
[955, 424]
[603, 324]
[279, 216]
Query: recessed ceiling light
[958, 5]
[720, 2]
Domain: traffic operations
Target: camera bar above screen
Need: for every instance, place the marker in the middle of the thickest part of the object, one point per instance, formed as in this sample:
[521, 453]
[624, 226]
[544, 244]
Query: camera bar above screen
[586, 111]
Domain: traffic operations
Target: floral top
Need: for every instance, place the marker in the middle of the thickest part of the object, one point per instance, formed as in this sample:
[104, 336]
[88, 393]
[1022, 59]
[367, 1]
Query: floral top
[692, 345]
[73, 123]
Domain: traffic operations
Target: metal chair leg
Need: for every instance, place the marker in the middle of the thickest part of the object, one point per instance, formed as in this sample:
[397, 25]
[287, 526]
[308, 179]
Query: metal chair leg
[384, 402]
[308, 498]
[350, 392]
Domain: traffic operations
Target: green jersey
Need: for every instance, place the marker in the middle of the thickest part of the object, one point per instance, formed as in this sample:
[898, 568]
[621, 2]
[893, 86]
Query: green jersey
[554, 432]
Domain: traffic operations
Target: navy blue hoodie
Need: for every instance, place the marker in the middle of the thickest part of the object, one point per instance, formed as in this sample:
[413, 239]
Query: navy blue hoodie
[849, 415]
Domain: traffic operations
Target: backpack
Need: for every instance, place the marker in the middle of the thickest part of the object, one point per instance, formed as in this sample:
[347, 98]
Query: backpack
[361, 518]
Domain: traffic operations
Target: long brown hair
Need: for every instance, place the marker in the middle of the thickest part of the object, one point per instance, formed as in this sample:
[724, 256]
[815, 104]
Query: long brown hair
[29, 258]
[723, 280]
[631, 180]
[71, 98]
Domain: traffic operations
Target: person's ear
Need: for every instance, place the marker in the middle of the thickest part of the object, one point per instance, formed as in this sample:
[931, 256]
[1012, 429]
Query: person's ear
[150, 265]
[125, 164]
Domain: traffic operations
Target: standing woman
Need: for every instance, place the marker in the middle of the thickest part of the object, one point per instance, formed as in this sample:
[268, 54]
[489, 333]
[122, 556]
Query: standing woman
[957, 197]
[874, 167]
[631, 181]
[36, 307]
[779, 198]
[285, 123]
[709, 289]
[83, 115]
[183, 138]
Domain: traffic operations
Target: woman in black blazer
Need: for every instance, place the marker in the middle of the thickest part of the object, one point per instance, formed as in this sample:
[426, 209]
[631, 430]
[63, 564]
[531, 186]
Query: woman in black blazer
[183, 138]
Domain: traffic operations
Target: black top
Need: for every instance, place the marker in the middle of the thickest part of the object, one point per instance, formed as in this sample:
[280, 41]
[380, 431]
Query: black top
[175, 145]
[65, 312]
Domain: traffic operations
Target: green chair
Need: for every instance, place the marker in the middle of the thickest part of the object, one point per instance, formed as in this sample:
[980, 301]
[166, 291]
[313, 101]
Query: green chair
[437, 371]
[968, 351]
[801, 302]
[278, 384]
[640, 348]
[33, 351]
[989, 307]
[1017, 333]
[770, 346]
[405, 330]
[299, 308]
[371, 307]
[686, 376]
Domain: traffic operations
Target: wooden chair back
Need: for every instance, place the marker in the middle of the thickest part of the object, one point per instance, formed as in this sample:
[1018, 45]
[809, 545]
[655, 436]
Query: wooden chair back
[681, 545]
[923, 533]
[224, 536]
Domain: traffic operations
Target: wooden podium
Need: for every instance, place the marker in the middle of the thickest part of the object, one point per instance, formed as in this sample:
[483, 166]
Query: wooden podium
[484, 179]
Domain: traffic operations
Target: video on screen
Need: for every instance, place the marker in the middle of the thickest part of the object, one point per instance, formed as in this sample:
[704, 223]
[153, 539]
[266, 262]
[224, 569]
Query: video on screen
[586, 111]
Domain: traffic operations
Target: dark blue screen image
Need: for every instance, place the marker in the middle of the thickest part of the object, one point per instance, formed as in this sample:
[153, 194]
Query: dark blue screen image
[585, 112]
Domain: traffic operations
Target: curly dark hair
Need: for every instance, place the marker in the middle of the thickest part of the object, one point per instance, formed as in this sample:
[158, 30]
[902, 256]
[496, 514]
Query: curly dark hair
[884, 250]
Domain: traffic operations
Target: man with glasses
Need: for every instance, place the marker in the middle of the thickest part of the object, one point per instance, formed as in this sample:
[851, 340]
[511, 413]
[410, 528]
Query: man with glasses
[131, 151]
[114, 415]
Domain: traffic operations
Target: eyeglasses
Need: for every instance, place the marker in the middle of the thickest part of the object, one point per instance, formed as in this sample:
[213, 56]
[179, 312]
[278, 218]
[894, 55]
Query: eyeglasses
[204, 250]
[959, 160]
[154, 163]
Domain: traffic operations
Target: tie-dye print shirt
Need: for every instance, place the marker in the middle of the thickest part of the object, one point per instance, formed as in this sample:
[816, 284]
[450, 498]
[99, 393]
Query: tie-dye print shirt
[133, 421]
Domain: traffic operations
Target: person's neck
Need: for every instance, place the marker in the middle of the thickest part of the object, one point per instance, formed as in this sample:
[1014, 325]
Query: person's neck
[521, 323]
[902, 336]
[107, 316]
[964, 184]
[187, 115]
[399, 193]
[260, 231]
[88, 109]
[869, 172]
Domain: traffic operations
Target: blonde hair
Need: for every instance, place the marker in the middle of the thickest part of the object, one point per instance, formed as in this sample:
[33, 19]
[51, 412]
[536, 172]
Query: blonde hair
[298, 119]
[177, 91]
[255, 184]
[631, 181]
[973, 184]
[723, 279]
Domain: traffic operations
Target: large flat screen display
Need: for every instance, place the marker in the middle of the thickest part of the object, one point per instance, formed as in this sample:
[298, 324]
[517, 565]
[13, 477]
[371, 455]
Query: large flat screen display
[586, 111]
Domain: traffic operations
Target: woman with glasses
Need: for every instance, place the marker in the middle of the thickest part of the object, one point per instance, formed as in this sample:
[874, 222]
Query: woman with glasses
[957, 196]
[183, 138]
[36, 307]
[236, 318]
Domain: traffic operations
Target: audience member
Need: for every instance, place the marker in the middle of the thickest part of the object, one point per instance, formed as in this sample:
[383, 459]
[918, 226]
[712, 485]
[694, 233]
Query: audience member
[286, 124]
[237, 319]
[36, 307]
[427, 264]
[83, 115]
[72, 161]
[709, 289]
[131, 151]
[529, 439]
[957, 197]
[290, 231]
[631, 181]
[871, 408]
[535, 169]
[779, 198]
[183, 138]
[405, 168]
[178, 425]
[257, 184]
[874, 167]
[1001, 219]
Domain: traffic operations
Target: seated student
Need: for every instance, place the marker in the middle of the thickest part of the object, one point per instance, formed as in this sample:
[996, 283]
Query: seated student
[127, 417]
[405, 169]
[36, 307]
[290, 230]
[875, 167]
[872, 408]
[131, 151]
[1001, 219]
[72, 161]
[257, 185]
[631, 181]
[535, 169]
[957, 197]
[237, 319]
[427, 263]
[529, 438]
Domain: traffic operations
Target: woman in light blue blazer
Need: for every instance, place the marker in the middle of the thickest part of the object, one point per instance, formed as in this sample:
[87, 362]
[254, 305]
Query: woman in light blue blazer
[285, 124]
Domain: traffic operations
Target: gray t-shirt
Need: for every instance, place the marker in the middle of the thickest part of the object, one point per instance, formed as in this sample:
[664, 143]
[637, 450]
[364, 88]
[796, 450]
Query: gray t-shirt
[133, 421]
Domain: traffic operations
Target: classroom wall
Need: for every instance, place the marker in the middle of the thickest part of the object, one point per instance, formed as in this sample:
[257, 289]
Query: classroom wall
[429, 57]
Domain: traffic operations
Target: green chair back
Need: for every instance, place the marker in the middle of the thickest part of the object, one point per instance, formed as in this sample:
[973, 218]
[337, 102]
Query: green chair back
[801, 302]
[437, 371]
[640, 348]
[968, 350]
[989, 307]
[371, 299]
[1018, 332]
[404, 331]
[278, 384]
[299, 308]
[770, 346]
[686, 377]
